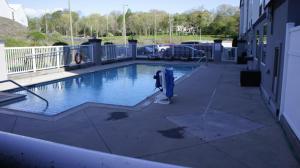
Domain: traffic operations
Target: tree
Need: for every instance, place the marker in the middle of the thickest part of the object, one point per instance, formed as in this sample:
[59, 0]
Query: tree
[34, 24]
[226, 21]
[223, 21]
[36, 37]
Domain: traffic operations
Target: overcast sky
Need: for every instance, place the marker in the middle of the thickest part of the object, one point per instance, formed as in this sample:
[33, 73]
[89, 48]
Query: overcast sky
[86, 7]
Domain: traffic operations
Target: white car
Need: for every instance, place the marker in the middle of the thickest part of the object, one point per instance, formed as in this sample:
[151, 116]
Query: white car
[162, 48]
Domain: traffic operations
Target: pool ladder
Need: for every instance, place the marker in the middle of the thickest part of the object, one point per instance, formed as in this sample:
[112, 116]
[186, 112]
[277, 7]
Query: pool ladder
[202, 59]
[24, 88]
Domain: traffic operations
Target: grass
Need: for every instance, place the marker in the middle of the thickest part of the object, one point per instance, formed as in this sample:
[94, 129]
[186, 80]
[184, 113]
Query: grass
[163, 39]
[12, 42]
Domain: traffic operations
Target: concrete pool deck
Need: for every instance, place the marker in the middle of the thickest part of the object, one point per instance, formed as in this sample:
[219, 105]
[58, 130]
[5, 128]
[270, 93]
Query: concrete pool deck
[213, 122]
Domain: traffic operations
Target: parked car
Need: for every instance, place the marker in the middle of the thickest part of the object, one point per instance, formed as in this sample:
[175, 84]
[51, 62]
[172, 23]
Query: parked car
[191, 42]
[183, 52]
[163, 47]
[148, 49]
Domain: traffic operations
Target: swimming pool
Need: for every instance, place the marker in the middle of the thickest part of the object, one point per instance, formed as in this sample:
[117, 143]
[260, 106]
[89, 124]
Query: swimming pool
[126, 85]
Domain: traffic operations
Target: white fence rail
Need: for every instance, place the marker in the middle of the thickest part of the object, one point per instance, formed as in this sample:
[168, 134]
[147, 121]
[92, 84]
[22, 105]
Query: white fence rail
[291, 81]
[175, 51]
[32, 59]
[116, 52]
[229, 54]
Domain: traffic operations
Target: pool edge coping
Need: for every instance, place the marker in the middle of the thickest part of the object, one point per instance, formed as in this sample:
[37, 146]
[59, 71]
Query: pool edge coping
[139, 106]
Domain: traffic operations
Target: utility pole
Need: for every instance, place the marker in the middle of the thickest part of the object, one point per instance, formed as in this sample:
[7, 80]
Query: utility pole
[46, 22]
[71, 26]
[124, 24]
[155, 28]
[200, 34]
[107, 25]
[91, 29]
[170, 29]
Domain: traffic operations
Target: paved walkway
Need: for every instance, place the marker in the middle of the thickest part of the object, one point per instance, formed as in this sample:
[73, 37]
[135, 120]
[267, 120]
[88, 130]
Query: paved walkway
[213, 122]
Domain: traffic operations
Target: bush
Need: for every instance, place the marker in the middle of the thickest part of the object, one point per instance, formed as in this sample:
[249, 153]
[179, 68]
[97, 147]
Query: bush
[12, 42]
[60, 43]
[55, 36]
[37, 37]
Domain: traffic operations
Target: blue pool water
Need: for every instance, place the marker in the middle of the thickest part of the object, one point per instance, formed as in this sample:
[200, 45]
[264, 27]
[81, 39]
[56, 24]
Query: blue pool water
[127, 86]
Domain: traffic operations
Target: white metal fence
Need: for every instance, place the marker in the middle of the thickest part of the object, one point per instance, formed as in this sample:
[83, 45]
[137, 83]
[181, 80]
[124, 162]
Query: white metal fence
[229, 54]
[175, 51]
[32, 59]
[116, 52]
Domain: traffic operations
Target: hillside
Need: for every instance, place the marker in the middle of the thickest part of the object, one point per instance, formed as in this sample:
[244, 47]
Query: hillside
[11, 29]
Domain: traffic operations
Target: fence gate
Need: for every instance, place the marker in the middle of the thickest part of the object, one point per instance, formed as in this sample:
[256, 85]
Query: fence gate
[291, 81]
[229, 54]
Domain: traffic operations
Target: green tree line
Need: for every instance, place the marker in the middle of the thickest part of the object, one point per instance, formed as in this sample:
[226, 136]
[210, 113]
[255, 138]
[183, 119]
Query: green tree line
[224, 20]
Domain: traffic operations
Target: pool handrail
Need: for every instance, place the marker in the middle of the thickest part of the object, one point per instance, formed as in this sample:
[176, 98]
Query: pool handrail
[24, 88]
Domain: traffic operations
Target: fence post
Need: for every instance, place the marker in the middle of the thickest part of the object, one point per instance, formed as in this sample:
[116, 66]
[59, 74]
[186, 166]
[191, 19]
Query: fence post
[3, 63]
[133, 48]
[96, 50]
[153, 50]
[106, 47]
[173, 50]
[235, 54]
[193, 51]
[57, 57]
[218, 51]
[126, 50]
[33, 59]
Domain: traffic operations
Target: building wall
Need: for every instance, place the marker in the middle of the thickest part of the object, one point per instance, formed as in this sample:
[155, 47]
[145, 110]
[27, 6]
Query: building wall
[254, 11]
[5, 10]
[242, 15]
[249, 12]
[276, 39]
[14, 12]
[283, 11]
[258, 43]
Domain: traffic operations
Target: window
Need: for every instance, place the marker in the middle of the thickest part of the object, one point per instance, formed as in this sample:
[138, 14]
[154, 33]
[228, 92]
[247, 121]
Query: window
[265, 41]
[257, 44]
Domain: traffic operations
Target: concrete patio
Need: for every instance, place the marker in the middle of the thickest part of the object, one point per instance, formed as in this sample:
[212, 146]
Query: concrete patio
[213, 122]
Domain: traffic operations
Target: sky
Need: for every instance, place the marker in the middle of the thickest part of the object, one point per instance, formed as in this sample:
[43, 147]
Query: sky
[86, 7]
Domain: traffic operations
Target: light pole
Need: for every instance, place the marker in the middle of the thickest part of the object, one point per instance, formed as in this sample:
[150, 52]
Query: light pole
[124, 24]
[71, 26]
